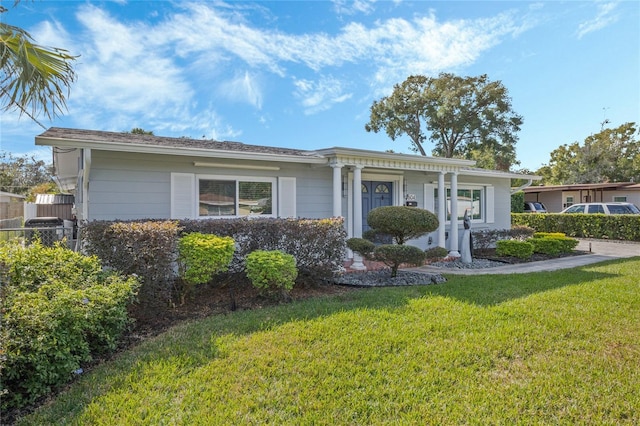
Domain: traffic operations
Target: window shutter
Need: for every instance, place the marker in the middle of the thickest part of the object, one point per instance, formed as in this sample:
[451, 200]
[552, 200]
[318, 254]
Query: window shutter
[286, 197]
[429, 198]
[183, 196]
[491, 205]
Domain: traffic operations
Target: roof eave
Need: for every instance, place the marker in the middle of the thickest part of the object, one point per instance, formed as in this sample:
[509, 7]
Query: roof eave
[182, 151]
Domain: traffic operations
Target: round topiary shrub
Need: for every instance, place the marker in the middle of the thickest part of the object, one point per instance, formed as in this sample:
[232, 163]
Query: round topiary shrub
[401, 222]
[272, 271]
[436, 253]
[360, 245]
[393, 255]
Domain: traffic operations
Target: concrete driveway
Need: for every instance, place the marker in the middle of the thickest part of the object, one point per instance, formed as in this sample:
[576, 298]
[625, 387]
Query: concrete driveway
[597, 251]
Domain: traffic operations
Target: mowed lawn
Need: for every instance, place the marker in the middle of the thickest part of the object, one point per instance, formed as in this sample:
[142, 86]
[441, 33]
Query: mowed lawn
[547, 348]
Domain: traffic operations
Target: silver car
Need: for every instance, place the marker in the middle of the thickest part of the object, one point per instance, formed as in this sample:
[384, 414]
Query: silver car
[603, 208]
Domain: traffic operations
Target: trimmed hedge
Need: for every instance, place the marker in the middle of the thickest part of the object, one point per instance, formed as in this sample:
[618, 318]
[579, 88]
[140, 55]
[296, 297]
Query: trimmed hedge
[318, 245]
[486, 238]
[552, 243]
[520, 249]
[149, 248]
[200, 256]
[146, 249]
[613, 227]
[272, 271]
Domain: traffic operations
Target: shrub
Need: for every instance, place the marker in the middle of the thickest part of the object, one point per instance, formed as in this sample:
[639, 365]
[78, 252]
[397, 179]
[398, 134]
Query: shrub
[272, 271]
[519, 249]
[201, 256]
[394, 255]
[487, 238]
[147, 249]
[401, 222]
[614, 227]
[517, 202]
[436, 253]
[552, 243]
[362, 246]
[317, 244]
[58, 310]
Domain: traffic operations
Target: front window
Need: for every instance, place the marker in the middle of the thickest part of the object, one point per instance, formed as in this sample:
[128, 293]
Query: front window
[234, 197]
[619, 199]
[469, 199]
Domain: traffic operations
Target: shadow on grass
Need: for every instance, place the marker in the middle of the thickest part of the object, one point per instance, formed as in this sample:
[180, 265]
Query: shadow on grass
[194, 344]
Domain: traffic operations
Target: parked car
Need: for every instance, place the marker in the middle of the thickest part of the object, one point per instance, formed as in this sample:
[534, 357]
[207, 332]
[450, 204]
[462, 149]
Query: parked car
[534, 207]
[603, 208]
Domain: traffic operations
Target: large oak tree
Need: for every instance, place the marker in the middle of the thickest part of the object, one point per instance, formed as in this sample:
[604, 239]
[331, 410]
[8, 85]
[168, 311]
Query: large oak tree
[465, 117]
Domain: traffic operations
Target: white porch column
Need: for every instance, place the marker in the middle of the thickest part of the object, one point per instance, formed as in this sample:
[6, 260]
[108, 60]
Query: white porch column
[442, 211]
[357, 215]
[337, 190]
[453, 233]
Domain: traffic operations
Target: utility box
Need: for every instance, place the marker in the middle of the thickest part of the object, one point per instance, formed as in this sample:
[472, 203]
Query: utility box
[49, 229]
[411, 203]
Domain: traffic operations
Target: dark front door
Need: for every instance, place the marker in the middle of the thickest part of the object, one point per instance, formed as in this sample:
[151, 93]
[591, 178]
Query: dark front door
[375, 194]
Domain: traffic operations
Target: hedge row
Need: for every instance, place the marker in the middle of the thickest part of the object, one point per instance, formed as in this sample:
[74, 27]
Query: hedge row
[149, 248]
[613, 227]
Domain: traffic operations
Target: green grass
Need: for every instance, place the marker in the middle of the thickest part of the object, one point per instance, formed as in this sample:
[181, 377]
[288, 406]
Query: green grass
[547, 348]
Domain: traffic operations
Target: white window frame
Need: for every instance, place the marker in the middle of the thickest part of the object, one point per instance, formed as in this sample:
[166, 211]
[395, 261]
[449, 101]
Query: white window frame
[485, 217]
[237, 180]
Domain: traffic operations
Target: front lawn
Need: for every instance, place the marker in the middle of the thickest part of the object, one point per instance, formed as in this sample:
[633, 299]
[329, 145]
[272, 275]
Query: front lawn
[547, 348]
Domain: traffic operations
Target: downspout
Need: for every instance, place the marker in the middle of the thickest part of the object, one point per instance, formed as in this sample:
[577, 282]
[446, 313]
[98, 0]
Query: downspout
[521, 187]
[86, 170]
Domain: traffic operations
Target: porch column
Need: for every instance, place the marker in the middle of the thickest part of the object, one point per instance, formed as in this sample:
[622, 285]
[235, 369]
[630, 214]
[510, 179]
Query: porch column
[357, 215]
[453, 233]
[337, 190]
[442, 213]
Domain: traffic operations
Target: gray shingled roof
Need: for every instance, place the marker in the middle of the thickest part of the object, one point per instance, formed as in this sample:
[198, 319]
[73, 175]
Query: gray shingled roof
[162, 141]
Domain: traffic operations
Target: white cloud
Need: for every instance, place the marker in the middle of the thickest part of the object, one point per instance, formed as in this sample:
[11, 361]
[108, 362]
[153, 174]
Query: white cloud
[243, 88]
[317, 96]
[604, 18]
[351, 7]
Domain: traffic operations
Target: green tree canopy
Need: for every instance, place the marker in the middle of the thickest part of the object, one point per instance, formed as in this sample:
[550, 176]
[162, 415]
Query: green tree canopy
[465, 117]
[612, 155]
[19, 174]
[34, 79]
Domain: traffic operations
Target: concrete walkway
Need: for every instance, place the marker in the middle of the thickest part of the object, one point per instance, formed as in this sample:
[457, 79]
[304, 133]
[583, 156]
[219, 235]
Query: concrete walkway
[597, 251]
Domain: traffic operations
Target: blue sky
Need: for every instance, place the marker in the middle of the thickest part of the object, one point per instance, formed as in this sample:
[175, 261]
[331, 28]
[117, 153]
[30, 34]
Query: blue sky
[303, 74]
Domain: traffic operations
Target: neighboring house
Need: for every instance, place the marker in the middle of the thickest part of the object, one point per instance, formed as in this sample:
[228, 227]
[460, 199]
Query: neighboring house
[128, 176]
[11, 205]
[558, 197]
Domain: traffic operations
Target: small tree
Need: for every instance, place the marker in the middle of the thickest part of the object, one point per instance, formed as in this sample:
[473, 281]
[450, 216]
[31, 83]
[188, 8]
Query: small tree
[402, 224]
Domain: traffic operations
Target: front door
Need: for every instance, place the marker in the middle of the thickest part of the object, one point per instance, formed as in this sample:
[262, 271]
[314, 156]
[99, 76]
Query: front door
[375, 194]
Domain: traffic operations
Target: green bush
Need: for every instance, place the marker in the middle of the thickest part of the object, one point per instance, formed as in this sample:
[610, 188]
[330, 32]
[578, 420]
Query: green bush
[272, 271]
[486, 238]
[549, 235]
[58, 310]
[401, 222]
[201, 256]
[318, 244]
[361, 246]
[614, 227]
[519, 249]
[436, 253]
[552, 243]
[517, 202]
[394, 255]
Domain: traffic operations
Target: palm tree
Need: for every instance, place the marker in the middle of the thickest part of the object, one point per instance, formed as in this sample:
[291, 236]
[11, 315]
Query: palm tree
[33, 79]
